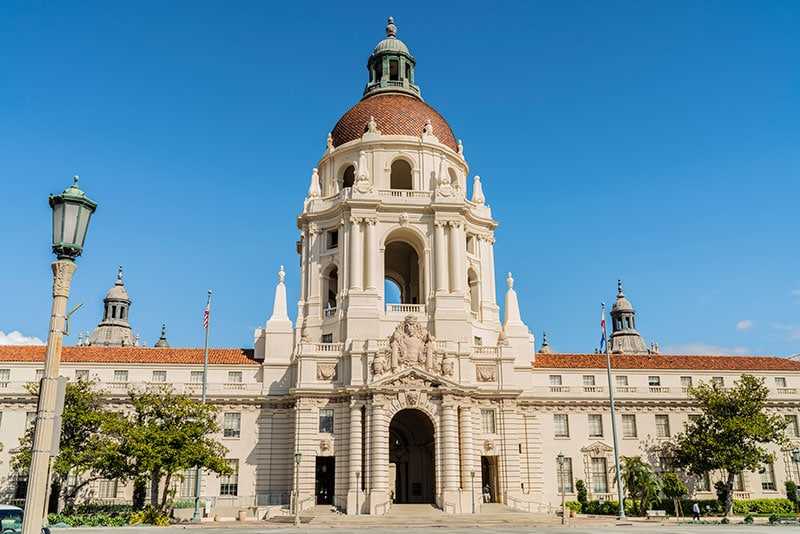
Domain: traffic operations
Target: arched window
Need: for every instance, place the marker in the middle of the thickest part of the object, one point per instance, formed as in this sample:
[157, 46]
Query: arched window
[453, 176]
[349, 177]
[113, 312]
[474, 292]
[400, 177]
[331, 288]
[394, 70]
[402, 269]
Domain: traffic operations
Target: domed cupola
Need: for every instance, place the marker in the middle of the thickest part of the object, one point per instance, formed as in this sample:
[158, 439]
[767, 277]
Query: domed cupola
[114, 329]
[625, 339]
[391, 66]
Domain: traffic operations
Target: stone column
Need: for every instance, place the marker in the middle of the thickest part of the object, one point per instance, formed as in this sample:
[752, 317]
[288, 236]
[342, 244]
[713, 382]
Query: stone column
[489, 277]
[356, 252]
[371, 254]
[457, 264]
[450, 473]
[378, 494]
[440, 253]
[313, 262]
[467, 448]
[354, 500]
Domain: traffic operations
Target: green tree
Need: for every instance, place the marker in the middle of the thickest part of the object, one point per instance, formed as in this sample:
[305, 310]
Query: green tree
[730, 433]
[583, 495]
[792, 493]
[674, 488]
[640, 481]
[83, 445]
[163, 435]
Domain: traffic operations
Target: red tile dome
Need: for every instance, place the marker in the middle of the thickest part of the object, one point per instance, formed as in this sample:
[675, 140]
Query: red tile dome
[395, 114]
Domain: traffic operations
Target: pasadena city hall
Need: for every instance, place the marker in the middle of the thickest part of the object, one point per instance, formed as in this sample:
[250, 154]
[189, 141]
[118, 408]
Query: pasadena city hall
[438, 398]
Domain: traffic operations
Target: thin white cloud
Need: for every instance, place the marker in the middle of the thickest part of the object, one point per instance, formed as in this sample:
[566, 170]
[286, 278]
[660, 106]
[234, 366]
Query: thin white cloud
[15, 337]
[744, 324]
[795, 293]
[700, 348]
[792, 330]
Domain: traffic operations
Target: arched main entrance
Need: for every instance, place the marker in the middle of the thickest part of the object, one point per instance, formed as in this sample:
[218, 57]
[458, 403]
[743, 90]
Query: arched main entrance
[411, 452]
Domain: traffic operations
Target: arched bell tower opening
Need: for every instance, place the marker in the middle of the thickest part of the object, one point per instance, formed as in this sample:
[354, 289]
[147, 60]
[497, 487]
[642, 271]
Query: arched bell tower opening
[400, 175]
[403, 267]
[411, 457]
[348, 177]
[474, 292]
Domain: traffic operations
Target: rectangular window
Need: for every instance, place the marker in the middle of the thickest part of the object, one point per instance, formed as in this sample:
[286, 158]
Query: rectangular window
[327, 338]
[229, 484]
[231, 424]
[565, 476]
[704, 483]
[595, 425]
[780, 381]
[686, 381]
[555, 380]
[768, 477]
[487, 422]
[622, 381]
[588, 380]
[159, 376]
[654, 381]
[718, 381]
[81, 374]
[326, 420]
[120, 375]
[662, 426]
[188, 481]
[599, 475]
[234, 377]
[791, 426]
[196, 377]
[107, 489]
[561, 425]
[5, 377]
[629, 425]
[333, 239]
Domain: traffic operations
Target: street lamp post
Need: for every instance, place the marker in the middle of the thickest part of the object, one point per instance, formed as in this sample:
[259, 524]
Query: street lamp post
[472, 483]
[560, 460]
[358, 490]
[297, 457]
[72, 211]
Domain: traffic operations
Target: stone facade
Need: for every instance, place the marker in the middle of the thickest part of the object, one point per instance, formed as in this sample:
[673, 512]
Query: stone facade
[428, 397]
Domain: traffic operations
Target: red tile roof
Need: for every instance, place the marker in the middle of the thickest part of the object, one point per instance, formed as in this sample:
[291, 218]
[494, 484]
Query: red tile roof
[35, 353]
[395, 114]
[665, 361]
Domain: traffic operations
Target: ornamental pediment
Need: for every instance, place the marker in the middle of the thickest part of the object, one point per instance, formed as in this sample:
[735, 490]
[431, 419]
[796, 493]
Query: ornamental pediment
[413, 378]
[598, 448]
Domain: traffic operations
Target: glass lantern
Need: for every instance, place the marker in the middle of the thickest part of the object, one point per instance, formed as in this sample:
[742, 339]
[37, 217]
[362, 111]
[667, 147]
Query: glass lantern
[72, 211]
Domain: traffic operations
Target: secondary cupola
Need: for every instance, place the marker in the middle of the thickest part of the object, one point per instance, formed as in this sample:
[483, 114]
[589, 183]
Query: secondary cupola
[391, 66]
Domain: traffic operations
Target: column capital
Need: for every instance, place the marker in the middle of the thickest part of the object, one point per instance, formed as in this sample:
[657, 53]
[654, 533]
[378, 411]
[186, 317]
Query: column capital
[314, 229]
[438, 223]
[356, 220]
[371, 220]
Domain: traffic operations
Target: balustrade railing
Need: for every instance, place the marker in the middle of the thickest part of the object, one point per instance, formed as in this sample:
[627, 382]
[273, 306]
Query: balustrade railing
[659, 389]
[403, 193]
[405, 308]
[330, 312]
[593, 389]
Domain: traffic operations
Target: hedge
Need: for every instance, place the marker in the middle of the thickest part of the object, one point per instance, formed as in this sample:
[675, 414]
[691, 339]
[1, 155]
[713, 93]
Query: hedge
[708, 506]
[763, 506]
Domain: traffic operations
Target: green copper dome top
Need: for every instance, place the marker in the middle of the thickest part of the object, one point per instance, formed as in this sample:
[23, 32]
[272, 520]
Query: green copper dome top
[391, 66]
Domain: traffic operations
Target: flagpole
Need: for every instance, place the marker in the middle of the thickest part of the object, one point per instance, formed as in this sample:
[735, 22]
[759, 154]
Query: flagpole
[620, 493]
[196, 517]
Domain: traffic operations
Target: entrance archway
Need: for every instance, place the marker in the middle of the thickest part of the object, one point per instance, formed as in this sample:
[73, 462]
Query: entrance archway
[411, 452]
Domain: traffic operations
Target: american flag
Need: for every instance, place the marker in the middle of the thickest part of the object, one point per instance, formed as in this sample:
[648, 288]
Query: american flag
[206, 313]
[603, 326]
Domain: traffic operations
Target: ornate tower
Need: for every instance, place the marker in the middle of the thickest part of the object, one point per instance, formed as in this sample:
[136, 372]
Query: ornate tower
[625, 339]
[114, 329]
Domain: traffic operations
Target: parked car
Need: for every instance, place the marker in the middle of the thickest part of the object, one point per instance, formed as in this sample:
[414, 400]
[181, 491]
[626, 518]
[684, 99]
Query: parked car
[11, 520]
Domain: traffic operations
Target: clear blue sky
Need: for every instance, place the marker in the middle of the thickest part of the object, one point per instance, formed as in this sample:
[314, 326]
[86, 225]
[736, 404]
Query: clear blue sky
[654, 141]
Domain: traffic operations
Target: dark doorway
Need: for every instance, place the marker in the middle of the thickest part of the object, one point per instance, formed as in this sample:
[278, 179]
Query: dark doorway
[489, 479]
[325, 479]
[411, 450]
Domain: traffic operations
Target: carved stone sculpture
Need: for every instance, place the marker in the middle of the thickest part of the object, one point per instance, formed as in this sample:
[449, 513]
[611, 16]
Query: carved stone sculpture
[410, 345]
[486, 373]
[326, 371]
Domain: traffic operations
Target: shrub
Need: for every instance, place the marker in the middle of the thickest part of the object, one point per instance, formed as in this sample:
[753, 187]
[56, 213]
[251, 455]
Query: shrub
[708, 506]
[580, 487]
[780, 518]
[724, 521]
[792, 493]
[608, 507]
[574, 506]
[748, 519]
[186, 503]
[99, 519]
[762, 506]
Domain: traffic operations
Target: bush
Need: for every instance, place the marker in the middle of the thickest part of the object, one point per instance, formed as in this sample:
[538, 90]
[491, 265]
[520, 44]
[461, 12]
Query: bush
[708, 506]
[724, 521]
[791, 493]
[100, 519]
[580, 487]
[186, 503]
[608, 507]
[574, 506]
[748, 519]
[781, 518]
[762, 506]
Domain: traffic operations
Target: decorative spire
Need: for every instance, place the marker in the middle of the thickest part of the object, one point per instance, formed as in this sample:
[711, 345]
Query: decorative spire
[510, 281]
[313, 188]
[545, 349]
[619, 289]
[329, 142]
[119, 281]
[460, 148]
[513, 317]
[391, 29]
[625, 338]
[162, 342]
[279, 310]
[477, 191]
